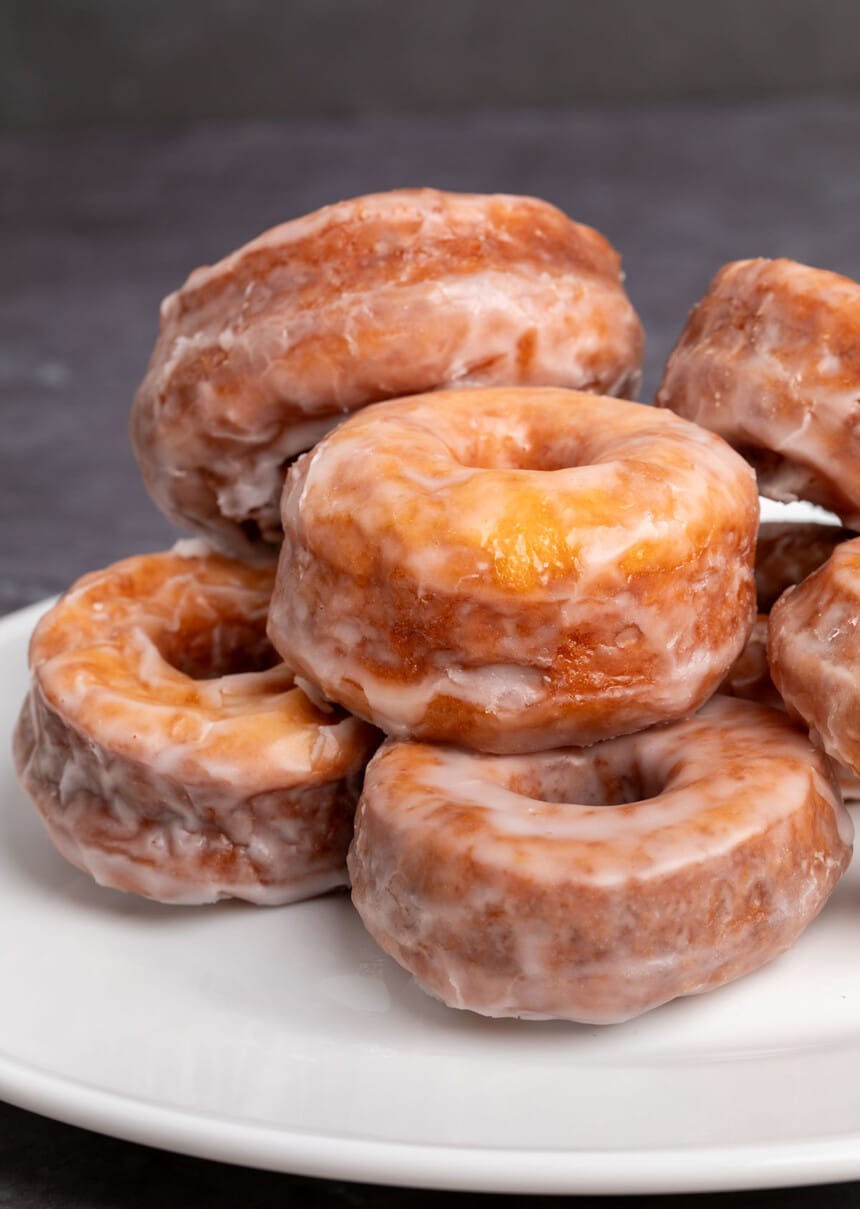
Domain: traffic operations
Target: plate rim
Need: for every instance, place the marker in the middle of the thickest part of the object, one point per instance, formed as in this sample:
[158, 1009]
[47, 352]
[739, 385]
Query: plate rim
[694, 1169]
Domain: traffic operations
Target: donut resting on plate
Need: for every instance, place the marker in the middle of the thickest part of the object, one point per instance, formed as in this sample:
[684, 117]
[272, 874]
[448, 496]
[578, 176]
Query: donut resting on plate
[170, 753]
[594, 885]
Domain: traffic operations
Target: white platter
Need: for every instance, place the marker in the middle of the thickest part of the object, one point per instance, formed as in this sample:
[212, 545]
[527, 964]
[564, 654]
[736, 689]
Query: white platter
[285, 1039]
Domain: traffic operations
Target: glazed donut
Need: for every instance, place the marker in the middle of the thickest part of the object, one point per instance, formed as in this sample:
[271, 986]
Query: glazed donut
[164, 753]
[380, 296]
[516, 570]
[814, 653]
[594, 885]
[788, 551]
[770, 359]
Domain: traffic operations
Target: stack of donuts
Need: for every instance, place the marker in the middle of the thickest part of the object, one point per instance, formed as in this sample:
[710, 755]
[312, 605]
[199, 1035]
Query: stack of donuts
[456, 614]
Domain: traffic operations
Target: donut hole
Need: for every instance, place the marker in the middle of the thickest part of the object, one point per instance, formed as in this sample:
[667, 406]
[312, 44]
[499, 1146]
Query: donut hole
[526, 448]
[583, 779]
[233, 647]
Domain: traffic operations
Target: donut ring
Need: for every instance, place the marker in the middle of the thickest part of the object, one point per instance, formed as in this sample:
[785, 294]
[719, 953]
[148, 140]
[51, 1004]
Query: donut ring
[770, 359]
[160, 781]
[697, 853]
[513, 570]
[814, 653]
[391, 294]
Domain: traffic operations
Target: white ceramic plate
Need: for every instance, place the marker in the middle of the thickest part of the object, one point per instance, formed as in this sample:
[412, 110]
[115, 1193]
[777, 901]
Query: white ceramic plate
[285, 1039]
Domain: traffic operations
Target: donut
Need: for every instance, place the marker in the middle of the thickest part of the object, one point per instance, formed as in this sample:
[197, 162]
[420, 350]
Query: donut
[788, 551]
[521, 569]
[169, 752]
[386, 295]
[814, 653]
[593, 885]
[770, 359]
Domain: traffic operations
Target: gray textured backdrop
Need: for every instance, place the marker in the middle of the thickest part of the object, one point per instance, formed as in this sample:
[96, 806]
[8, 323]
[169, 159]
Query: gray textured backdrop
[120, 62]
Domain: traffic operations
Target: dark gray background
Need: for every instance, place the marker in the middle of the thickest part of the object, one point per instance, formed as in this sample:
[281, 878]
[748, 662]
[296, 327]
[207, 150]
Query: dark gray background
[143, 138]
[160, 61]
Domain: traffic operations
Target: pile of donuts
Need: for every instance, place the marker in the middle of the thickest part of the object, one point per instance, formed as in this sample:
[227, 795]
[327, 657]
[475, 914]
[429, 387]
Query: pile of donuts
[463, 626]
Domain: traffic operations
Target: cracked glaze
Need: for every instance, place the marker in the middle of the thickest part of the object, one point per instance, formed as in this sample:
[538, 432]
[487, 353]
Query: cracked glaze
[594, 885]
[517, 569]
[390, 294]
[182, 788]
[770, 359]
[814, 653]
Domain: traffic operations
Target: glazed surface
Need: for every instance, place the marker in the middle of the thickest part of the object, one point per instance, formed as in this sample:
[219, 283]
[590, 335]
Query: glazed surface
[770, 359]
[814, 653]
[594, 885]
[516, 569]
[385, 295]
[170, 753]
